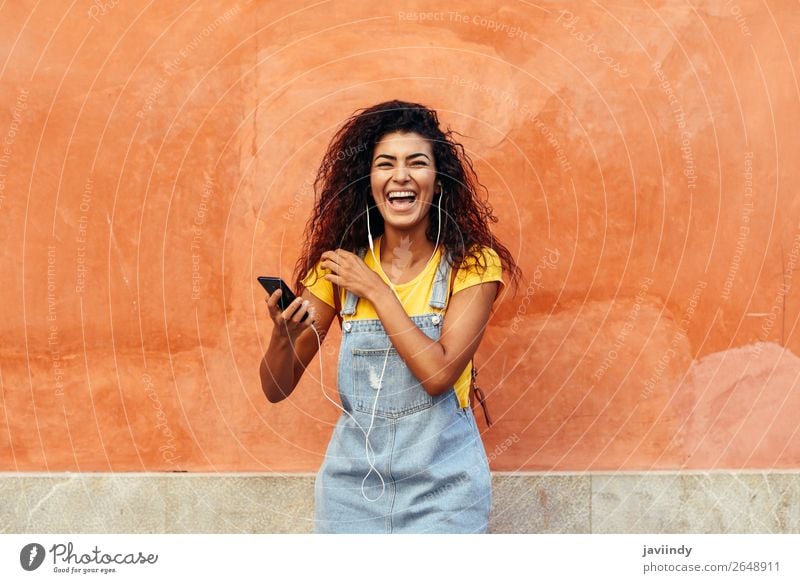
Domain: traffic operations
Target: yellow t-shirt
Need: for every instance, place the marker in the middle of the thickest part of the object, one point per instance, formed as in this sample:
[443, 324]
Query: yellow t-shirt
[415, 294]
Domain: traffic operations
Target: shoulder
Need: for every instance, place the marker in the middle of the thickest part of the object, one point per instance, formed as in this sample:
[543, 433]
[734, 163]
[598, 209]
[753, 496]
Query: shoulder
[480, 255]
[315, 282]
[480, 266]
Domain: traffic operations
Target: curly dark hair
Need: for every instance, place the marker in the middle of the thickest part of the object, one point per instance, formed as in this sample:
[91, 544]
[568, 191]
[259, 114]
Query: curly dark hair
[342, 190]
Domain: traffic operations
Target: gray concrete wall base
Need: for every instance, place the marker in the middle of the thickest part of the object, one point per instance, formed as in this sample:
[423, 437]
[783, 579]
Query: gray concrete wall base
[649, 502]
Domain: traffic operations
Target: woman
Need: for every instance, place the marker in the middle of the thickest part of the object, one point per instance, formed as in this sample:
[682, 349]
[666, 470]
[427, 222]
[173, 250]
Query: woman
[397, 210]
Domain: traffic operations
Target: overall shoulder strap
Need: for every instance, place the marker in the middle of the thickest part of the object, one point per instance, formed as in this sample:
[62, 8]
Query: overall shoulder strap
[350, 298]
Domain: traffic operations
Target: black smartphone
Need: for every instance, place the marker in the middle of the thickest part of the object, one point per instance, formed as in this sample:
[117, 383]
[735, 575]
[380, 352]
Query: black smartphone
[287, 295]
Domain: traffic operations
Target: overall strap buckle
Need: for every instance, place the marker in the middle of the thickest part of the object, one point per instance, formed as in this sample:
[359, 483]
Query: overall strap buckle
[478, 392]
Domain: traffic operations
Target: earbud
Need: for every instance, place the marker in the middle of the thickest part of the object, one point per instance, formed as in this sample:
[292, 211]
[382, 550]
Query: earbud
[369, 232]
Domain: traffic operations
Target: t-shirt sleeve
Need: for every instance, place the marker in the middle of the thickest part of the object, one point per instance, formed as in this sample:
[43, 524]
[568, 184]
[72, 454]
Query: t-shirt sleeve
[470, 272]
[322, 288]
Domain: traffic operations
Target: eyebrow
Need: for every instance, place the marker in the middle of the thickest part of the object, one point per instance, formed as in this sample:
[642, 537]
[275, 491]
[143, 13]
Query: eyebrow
[414, 155]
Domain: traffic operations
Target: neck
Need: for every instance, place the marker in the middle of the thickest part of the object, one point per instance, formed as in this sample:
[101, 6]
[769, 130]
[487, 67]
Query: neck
[407, 247]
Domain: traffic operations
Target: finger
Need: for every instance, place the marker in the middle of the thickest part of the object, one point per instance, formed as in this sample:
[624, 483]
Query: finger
[329, 266]
[331, 257]
[272, 300]
[301, 311]
[344, 254]
[274, 307]
[289, 311]
[312, 316]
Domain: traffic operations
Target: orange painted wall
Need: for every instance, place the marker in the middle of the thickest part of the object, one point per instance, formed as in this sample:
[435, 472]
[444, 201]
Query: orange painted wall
[642, 158]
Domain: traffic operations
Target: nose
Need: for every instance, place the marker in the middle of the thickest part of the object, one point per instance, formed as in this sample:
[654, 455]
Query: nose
[401, 173]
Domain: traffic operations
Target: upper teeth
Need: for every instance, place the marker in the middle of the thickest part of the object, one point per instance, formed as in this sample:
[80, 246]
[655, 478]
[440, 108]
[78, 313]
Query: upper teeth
[400, 194]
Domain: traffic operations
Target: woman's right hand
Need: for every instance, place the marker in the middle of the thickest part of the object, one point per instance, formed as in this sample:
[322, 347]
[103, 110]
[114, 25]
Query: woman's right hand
[287, 322]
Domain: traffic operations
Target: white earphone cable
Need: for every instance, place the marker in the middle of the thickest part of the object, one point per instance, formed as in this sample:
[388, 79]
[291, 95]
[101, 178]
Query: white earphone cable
[367, 446]
[386, 358]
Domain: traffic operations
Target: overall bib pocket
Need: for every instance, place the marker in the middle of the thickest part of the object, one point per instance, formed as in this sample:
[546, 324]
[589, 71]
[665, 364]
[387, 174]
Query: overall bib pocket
[400, 392]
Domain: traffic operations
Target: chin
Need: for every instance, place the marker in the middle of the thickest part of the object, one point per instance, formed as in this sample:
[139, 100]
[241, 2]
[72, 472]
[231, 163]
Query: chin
[404, 223]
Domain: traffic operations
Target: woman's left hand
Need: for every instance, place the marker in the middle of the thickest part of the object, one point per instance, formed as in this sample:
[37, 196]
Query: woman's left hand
[349, 271]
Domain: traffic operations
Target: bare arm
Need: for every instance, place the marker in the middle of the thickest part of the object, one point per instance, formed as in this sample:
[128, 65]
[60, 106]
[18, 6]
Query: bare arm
[293, 343]
[438, 364]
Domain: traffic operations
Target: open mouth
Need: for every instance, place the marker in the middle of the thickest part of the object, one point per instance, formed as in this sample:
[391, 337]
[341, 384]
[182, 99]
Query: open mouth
[402, 200]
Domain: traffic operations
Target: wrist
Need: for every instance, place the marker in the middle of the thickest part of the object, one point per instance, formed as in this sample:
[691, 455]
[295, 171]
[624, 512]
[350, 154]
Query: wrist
[379, 294]
[280, 336]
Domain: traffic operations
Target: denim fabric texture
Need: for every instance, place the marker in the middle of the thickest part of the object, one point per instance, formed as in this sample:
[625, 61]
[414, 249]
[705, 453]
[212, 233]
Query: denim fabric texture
[427, 449]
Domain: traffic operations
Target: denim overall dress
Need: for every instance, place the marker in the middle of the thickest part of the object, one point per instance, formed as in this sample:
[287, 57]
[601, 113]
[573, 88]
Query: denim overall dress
[427, 449]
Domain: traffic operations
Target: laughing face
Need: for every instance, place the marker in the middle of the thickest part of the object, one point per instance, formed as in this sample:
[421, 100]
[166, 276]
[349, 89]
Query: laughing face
[403, 179]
